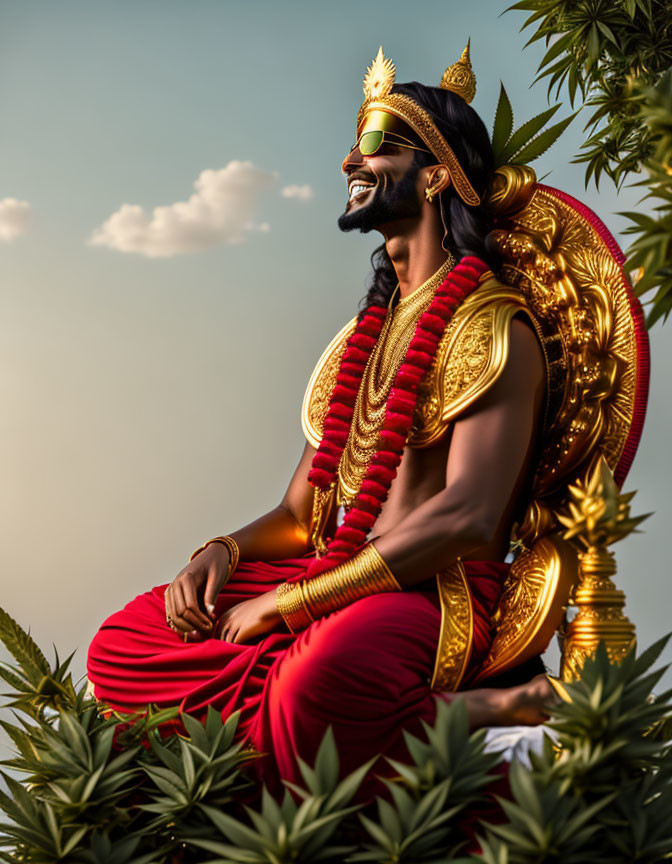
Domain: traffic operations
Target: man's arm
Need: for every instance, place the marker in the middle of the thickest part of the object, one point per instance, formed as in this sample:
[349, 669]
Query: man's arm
[281, 533]
[285, 531]
[490, 453]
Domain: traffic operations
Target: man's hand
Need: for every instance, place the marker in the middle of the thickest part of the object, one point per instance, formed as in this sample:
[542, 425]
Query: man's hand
[250, 618]
[196, 588]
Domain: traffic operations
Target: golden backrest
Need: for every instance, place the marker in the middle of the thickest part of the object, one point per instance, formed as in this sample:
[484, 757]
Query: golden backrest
[570, 270]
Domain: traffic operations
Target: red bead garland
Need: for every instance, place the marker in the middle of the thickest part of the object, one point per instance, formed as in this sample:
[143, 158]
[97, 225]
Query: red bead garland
[401, 402]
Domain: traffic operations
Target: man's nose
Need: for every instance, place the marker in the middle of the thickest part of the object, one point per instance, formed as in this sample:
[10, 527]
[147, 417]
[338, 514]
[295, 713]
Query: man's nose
[352, 160]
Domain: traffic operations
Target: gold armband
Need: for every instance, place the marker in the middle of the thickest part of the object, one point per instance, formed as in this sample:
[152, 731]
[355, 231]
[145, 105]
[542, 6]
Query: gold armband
[231, 545]
[302, 602]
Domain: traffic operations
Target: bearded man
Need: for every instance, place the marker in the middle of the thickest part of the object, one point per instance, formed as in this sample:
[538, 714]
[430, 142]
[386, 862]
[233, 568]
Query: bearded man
[344, 605]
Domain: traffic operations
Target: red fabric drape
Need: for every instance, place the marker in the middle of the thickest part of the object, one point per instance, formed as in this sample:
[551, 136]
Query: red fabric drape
[364, 669]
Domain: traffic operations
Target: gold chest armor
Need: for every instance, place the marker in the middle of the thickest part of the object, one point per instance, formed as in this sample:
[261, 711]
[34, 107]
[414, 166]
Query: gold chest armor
[469, 359]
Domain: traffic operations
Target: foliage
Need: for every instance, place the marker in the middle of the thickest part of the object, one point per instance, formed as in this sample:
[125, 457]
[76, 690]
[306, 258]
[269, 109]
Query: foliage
[290, 831]
[601, 789]
[530, 140]
[651, 252]
[615, 57]
[92, 787]
[448, 773]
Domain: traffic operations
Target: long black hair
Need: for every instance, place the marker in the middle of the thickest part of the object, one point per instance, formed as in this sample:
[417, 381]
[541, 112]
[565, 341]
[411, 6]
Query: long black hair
[467, 226]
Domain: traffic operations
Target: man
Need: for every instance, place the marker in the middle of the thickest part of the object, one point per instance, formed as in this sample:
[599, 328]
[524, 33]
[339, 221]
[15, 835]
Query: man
[407, 473]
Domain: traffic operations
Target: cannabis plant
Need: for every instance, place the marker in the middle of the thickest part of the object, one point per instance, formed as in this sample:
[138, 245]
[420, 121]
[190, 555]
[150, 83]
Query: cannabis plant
[92, 785]
[601, 789]
[301, 827]
[530, 140]
[449, 772]
[615, 56]
[89, 786]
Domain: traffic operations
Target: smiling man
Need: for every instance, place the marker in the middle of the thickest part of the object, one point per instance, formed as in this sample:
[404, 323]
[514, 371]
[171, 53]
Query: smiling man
[367, 594]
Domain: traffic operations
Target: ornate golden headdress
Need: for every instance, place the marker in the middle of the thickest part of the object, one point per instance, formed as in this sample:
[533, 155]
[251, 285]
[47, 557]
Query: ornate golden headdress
[458, 78]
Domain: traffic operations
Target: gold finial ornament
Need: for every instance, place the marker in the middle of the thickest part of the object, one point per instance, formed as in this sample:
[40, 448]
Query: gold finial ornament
[460, 78]
[379, 78]
[598, 516]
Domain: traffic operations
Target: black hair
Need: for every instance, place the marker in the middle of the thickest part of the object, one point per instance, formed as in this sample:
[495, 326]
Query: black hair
[467, 226]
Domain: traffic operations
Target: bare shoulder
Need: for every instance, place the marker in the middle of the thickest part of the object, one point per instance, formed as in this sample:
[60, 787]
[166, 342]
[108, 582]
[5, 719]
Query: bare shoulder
[526, 360]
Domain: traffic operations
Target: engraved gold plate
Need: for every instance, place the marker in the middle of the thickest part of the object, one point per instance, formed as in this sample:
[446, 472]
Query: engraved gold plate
[576, 291]
[470, 358]
[457, 628]
[532, 604]
[321, 384]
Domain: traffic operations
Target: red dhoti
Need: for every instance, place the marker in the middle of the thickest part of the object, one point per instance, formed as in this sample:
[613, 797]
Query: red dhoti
[365, 669]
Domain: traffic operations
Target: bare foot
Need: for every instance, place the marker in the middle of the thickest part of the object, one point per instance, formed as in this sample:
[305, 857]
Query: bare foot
[524, 705]
[529, 703]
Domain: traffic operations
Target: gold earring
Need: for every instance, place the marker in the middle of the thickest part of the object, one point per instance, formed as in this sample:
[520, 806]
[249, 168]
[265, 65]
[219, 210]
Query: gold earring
[429, 194]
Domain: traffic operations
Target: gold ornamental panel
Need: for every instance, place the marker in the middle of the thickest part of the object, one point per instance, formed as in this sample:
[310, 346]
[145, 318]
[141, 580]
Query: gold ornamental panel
[575, 288]
[321, 385]
[470, 358]
[457, 628]
[532, 604]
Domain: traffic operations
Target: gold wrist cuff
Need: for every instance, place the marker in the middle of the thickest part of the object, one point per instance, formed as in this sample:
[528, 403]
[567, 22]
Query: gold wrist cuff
[231, 545]
[291, 604]
[366, 573]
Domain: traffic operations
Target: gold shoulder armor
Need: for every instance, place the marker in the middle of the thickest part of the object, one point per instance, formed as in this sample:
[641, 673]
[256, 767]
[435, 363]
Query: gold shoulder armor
[321, 385]
[471, 356]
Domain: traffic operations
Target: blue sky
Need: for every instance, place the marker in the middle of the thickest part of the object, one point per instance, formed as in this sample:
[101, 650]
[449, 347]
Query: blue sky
[152, 402]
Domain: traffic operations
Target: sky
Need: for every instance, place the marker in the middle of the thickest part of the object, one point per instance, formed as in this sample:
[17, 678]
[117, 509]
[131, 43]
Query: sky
[171, 269]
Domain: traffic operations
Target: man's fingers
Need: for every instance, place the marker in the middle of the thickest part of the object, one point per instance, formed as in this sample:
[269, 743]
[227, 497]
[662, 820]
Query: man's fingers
[192, 612]
[195, 621]
[228, 629]
[177, 603]
[171, 607]
[211, 590]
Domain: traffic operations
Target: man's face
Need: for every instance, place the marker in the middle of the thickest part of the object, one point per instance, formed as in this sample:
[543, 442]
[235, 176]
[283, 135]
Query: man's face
[382, 187]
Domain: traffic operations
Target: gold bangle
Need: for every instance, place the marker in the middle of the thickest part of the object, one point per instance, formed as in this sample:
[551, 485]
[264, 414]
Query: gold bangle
[231, 545]
[291, 605]
[300, 603]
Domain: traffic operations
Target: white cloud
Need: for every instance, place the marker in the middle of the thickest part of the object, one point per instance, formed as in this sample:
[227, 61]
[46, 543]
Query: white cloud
[15, 218]
[221, 210]
[303, 193]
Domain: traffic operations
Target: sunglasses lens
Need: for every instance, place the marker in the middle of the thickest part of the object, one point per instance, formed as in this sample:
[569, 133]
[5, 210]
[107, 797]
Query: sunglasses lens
[370, 142]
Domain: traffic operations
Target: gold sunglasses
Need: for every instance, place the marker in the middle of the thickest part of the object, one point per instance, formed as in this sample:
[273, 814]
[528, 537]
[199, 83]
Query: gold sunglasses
[370, 142]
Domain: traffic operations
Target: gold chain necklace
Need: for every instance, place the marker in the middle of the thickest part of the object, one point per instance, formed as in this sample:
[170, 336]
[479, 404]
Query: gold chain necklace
[381, 369]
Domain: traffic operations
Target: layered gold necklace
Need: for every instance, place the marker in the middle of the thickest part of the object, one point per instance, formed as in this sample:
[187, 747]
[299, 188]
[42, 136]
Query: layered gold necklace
[381, 369]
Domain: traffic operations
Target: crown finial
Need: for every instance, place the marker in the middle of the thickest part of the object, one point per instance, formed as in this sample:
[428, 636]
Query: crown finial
[460, 78]
[379, 78]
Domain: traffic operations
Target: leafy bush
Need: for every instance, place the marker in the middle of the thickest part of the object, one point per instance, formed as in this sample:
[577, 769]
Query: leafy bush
[615, 57]
[86, 786]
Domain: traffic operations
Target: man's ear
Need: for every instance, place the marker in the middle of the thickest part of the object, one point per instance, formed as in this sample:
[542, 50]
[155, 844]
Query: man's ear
[438, 180]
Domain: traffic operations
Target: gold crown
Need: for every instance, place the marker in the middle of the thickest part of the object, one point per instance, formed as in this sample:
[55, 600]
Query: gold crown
[459, 78]
[379, 78]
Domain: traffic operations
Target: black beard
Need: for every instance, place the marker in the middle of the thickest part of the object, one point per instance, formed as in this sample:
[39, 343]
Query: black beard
[389, 202]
